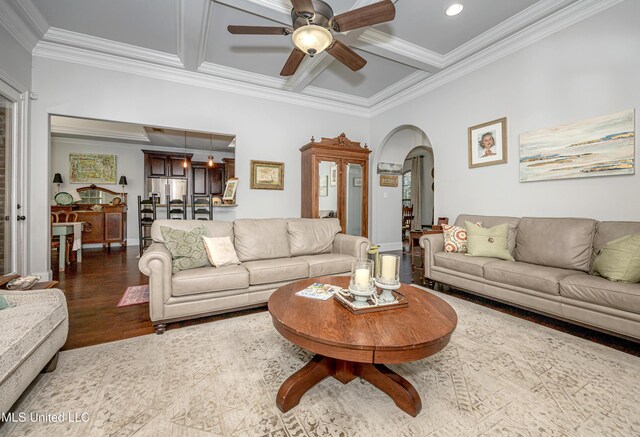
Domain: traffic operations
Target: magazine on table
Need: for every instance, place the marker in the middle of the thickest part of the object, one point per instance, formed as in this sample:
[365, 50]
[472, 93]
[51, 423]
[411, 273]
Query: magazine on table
[319, 291]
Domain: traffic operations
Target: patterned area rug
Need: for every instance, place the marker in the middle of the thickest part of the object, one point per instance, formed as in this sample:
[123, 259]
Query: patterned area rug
[135, 295]
[499, 375]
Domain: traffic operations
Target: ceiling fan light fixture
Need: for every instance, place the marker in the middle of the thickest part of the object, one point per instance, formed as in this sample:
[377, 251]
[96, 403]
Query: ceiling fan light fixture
[312, 39]
[454, 9]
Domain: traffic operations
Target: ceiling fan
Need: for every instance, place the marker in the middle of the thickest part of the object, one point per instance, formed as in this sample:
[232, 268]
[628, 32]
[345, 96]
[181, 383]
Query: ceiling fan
[313, 23]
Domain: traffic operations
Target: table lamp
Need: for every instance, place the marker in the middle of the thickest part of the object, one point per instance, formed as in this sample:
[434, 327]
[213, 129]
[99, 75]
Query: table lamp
[123, 182]
[57, 179]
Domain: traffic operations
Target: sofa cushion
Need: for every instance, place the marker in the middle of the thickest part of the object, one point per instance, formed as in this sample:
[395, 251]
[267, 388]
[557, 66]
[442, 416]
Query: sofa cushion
[212, 228]
[460, 262]
[276, 270]
[312, 236]
[565, 243]
[206, 279]
[186, 247]
[539, 278]
[491, 242]
[600, 291]
[328, 263]
[609, 231]
[619, 260]
[489, 221]
[261, 239]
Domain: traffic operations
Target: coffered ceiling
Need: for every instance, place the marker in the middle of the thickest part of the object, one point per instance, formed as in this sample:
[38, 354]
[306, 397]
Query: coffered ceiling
[191, 36]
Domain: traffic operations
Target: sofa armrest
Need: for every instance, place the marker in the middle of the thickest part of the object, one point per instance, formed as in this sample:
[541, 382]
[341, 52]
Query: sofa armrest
[432, 244]
[351, 245]
[156, 263]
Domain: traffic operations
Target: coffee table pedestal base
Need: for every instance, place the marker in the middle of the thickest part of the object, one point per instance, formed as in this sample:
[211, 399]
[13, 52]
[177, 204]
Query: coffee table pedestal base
[399, 389]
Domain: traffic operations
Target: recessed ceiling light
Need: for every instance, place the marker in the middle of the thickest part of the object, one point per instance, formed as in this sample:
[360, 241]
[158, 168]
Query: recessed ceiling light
[454, 9]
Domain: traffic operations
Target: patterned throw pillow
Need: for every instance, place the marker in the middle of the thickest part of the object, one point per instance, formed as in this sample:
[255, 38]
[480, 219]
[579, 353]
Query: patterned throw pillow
[220, 251]
[186, 247]
[455, 238]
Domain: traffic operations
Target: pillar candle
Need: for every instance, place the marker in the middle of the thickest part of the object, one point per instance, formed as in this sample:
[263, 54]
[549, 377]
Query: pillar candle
[362, 278]
[388, 268]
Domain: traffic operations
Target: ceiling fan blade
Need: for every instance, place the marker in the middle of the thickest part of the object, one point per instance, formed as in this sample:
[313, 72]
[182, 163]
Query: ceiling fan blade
[293, 62]
[303, 8]
[258, 30]
[347, 56]
[366, 16]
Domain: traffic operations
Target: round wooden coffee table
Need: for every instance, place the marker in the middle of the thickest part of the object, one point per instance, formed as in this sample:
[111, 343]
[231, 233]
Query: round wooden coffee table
[349, 346]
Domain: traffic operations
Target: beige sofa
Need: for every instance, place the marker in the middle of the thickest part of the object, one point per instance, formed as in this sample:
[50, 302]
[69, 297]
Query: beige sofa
[33, 331]
[273, 252]
[553, 257]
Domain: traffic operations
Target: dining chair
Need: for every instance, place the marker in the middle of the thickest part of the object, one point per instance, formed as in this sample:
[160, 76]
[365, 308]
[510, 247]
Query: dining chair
[407, 218]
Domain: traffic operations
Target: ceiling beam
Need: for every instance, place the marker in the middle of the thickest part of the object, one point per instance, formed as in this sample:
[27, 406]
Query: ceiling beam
[192, 39]
[275, 10]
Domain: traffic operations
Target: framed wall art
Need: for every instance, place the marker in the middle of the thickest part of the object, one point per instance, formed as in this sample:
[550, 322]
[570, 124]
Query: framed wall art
[85, 168]
[267, 175]
[388, 181]
[488, 143]
[230, 190]
[357, 182]
[333, 175]
[389, 168]
[323, 189]
[598, 146]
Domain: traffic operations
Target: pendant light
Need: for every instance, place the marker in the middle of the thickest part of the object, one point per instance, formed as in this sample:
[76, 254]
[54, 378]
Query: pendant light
[211, 163]
[184, 162]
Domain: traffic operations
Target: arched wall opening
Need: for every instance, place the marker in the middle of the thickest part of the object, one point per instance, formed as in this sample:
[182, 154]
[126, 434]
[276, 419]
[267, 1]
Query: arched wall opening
[386, 202]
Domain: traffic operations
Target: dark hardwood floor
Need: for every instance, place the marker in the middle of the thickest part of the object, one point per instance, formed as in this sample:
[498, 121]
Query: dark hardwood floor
[95, 286]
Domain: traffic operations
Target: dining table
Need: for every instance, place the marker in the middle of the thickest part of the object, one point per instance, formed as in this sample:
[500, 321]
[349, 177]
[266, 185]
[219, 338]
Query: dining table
[61, 230]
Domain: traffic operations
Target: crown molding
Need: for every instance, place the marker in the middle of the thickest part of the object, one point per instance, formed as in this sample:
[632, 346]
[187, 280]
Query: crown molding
[401, 85]
[107, 61]
[33, 16]
[96, 44]
[14, 24]
[148, 146]
[337, 96]
[249, 77]
[100, 133]
[401, 47]
[554, 23]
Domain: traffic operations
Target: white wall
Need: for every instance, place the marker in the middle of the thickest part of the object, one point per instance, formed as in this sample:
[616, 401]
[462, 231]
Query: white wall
[266, 130]
[15, 62]
[588, 69]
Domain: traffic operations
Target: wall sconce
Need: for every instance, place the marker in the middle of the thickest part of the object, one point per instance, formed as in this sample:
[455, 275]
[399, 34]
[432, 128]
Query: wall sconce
[57, 179]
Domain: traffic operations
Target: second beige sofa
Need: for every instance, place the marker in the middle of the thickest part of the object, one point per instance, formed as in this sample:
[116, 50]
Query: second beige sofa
[273, 252]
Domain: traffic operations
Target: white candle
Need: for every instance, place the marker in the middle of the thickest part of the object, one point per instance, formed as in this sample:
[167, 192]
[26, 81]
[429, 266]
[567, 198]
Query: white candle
[362, 278]
[388, 268]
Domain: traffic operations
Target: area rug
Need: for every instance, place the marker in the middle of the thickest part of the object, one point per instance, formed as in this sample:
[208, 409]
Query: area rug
[134, 295]
[499, 375]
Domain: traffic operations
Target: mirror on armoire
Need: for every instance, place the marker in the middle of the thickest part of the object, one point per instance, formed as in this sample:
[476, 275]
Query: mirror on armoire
[354, 199]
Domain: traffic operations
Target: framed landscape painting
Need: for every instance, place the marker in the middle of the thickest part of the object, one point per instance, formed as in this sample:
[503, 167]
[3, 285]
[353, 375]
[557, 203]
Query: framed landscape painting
[267, 175]
[85, 168]
[599, 146]
[488, 143]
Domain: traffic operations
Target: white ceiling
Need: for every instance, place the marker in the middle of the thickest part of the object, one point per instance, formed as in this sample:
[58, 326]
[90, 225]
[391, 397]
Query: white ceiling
[191, 35]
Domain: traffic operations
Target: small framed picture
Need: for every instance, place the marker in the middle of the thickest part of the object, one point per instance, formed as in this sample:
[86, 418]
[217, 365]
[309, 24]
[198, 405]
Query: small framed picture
[333, 175]
[267, 175]
[488, 143]
[388, 180]
[230, 189]
[357, 182]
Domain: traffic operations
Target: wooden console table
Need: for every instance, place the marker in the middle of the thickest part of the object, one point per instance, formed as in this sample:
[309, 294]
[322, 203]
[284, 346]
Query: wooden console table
[417, 254]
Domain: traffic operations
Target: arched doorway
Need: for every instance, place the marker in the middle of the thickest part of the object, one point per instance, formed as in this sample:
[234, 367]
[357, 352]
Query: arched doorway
[418, 189]
[402, 142]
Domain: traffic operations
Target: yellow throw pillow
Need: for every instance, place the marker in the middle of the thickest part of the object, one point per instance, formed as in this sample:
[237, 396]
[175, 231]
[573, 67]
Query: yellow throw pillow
[492, 242]
[619, 260]
[220, 251]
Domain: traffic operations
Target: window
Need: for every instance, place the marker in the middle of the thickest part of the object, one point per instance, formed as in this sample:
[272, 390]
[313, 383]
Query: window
[406, 188]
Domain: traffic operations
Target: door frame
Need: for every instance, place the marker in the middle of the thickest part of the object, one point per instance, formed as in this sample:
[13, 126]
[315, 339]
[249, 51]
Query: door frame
[18, 160]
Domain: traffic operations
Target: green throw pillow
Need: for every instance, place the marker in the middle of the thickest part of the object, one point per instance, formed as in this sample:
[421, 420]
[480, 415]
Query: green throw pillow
[186, 247]
[619, 260]
[492, 242]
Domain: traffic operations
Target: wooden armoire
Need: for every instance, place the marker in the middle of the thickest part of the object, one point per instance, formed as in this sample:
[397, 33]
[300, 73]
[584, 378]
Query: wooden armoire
[335, 174]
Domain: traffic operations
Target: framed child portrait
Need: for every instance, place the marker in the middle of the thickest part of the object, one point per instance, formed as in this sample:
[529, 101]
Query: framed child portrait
[488, 143]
